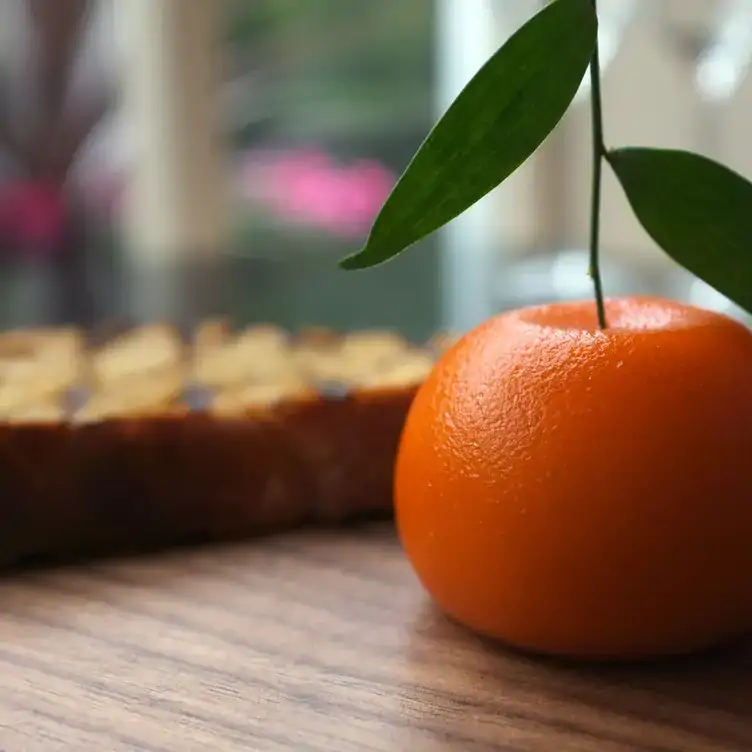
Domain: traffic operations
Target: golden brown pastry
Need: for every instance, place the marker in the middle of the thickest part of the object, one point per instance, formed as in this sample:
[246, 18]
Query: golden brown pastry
[147, 442]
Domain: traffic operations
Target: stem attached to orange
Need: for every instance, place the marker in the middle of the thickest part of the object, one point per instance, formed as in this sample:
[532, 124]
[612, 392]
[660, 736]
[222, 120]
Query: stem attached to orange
[599, 154]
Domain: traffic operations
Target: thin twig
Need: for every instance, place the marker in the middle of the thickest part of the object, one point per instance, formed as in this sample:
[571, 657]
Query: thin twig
[599, 153]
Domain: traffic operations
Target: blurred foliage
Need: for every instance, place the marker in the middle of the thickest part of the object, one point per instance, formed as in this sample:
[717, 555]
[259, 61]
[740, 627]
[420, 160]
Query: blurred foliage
[334, 71]
[353, 77]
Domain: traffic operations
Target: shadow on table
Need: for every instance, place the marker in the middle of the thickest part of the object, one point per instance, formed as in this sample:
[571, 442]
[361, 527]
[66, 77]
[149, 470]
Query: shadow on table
[698, 702]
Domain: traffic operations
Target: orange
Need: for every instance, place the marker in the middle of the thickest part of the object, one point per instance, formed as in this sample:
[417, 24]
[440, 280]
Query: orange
[586, 493]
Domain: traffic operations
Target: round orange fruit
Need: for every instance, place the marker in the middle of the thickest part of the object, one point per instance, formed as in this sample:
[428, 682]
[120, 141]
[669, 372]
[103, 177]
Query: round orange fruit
[586, 493]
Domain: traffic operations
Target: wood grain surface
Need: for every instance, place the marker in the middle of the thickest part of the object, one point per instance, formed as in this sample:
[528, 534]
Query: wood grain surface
[318, 642]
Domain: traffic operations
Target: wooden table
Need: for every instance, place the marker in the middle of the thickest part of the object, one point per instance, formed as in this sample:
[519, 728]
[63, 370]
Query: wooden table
[318, 642]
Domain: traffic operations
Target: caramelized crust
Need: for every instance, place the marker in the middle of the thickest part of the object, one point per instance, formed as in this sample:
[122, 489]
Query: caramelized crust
[149, 442]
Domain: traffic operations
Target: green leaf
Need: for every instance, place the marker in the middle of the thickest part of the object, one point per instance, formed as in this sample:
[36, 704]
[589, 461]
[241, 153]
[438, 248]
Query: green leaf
[698, 211]
[498, 120]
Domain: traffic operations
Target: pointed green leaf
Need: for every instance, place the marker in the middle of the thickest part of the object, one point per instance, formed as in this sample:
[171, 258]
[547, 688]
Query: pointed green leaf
[499, 119]
[698, 211]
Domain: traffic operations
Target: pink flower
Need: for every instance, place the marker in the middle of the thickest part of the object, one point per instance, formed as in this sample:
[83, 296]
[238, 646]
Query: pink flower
[307, 187]
[32, 216]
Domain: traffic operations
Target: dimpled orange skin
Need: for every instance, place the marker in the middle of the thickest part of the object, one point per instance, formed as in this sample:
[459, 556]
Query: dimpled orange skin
[587, 493]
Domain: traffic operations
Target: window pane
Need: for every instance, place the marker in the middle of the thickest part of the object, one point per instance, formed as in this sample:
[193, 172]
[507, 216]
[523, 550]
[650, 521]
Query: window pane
[322, 104]
[328, 102]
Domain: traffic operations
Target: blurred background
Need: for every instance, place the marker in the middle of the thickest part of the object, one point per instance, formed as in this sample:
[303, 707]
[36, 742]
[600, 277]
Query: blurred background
[185, 158]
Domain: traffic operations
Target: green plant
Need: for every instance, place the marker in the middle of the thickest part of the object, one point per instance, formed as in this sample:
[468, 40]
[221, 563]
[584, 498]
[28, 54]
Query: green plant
[698, 211]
